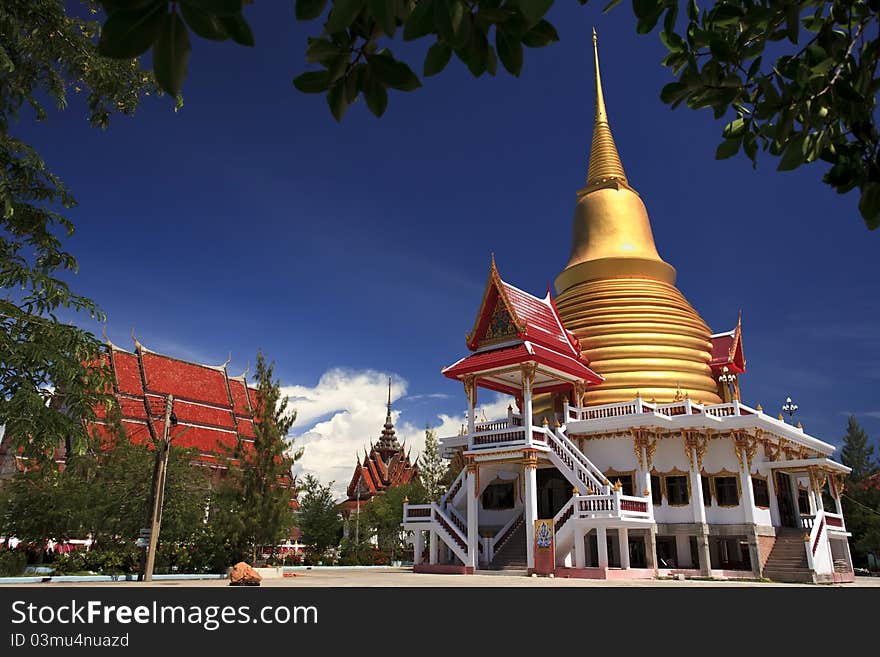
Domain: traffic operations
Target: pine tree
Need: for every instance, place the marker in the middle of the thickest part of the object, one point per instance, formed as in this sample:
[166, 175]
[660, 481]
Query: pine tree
[265, 477]
[432, 467]
[856, 452]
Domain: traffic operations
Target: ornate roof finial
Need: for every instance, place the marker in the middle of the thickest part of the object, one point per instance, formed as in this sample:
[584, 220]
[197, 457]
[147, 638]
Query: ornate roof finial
[605, 162]
[388, 439]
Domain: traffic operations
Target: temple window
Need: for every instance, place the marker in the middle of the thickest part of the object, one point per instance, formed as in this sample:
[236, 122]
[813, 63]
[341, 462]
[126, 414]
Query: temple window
[707, 490]
[677, 490]
[726, 491]
[761, 491]
[828, 498]
[804, 501]
[626, 481]
[498, 496]
[656, 490]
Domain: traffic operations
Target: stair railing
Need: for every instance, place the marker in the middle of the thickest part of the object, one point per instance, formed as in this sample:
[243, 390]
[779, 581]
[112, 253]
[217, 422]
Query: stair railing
[503, 534]
[818, 548]
[578, 465]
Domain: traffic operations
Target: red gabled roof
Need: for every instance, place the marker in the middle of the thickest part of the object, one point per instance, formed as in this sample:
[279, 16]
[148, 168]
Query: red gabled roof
[514, 327]
[213, 407]
[486, 361]
[185, 380]
[727, 350]
[534, 319]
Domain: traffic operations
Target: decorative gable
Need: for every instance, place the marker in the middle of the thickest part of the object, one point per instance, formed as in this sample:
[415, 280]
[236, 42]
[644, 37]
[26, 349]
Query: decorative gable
[500, 326]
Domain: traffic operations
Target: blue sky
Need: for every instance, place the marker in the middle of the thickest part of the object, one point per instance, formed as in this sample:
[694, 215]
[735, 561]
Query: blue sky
[251, 219]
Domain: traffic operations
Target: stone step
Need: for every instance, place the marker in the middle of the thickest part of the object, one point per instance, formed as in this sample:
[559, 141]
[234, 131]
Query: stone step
[512, 572]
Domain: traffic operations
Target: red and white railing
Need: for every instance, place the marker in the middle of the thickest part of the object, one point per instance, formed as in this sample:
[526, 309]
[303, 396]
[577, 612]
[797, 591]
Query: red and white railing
[818, 547]
[450, 528]
[571, 462]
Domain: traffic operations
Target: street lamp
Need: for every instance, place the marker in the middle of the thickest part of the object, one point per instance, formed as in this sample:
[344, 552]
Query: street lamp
[727, 378]
[789, 407]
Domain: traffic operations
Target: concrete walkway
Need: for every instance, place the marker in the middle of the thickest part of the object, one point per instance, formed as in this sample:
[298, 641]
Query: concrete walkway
[404, 577]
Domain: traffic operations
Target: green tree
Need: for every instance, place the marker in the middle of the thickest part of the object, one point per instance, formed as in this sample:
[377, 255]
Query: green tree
[318, 517]
[103, 494]
[384, 514]
[253, 505]
[795, 78]
[51, 376]
[857, 453]
[861, 501]
[432, 468]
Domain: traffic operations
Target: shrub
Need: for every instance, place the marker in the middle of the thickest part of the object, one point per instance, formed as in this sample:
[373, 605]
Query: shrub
[12, 562]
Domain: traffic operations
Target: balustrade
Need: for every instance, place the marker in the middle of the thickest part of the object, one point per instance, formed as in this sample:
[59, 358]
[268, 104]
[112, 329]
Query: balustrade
[639, 407]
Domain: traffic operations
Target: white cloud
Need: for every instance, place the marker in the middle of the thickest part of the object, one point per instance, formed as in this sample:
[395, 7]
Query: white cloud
[343, 415]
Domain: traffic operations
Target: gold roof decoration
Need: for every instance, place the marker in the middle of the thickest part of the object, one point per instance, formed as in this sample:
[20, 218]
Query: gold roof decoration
[618, 296]
[605, 164]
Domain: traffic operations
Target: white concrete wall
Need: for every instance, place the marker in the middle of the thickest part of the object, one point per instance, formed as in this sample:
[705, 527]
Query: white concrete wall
[719, 459]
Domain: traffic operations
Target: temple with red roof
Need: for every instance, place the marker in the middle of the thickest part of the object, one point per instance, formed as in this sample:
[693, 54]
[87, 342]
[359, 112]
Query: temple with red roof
[215, 409]
[386, 465]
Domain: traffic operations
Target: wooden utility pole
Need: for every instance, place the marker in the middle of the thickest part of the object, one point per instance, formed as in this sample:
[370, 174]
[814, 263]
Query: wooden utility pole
[158, 489]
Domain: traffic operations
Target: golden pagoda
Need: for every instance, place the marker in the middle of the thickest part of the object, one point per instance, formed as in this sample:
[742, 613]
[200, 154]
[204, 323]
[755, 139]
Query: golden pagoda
[618, 296]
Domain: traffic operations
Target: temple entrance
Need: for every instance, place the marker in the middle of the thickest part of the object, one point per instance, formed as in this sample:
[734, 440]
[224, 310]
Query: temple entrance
[788, 513]
[553, 492]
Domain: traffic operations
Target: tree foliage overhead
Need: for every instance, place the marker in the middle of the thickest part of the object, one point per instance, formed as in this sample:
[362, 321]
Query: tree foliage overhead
[45, 55]
[800, 78]
[795, 78]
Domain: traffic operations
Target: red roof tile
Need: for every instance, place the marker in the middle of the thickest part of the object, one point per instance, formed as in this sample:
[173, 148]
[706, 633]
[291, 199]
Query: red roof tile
[128, 376]
[239, 397]
[185, 380]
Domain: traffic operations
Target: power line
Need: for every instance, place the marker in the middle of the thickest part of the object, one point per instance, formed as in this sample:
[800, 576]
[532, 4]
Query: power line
[874, 511]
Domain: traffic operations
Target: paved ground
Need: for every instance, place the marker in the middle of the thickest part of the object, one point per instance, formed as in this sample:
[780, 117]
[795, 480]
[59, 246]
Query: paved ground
[404, 577]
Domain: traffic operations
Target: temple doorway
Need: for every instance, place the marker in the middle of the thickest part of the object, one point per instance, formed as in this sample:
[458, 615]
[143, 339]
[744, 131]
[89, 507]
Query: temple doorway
[788, 514]
[554, 491]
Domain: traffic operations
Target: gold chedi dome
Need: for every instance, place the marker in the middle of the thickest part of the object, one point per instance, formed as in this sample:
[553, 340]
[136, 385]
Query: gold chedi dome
[618, 296]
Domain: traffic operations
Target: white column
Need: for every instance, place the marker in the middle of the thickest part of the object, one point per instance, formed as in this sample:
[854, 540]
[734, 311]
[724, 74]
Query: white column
[579, 552]
[748, 495]
[602, 545]
[531, 506]
[433, 547]
[418, 546]
[527, 409]
[775, 520]
[646, 483]
[471, 392]
[697, 490]
[623, 541]
[473, 520]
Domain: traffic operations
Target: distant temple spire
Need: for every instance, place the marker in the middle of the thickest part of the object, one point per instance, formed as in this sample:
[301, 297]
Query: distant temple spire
[605, 162]
[388, 439]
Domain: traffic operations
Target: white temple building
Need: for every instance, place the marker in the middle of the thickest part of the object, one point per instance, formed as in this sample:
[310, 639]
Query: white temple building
[626, 451]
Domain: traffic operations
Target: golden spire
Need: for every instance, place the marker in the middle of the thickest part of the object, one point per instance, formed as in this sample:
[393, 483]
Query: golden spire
[618, 296]
[604, 160]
